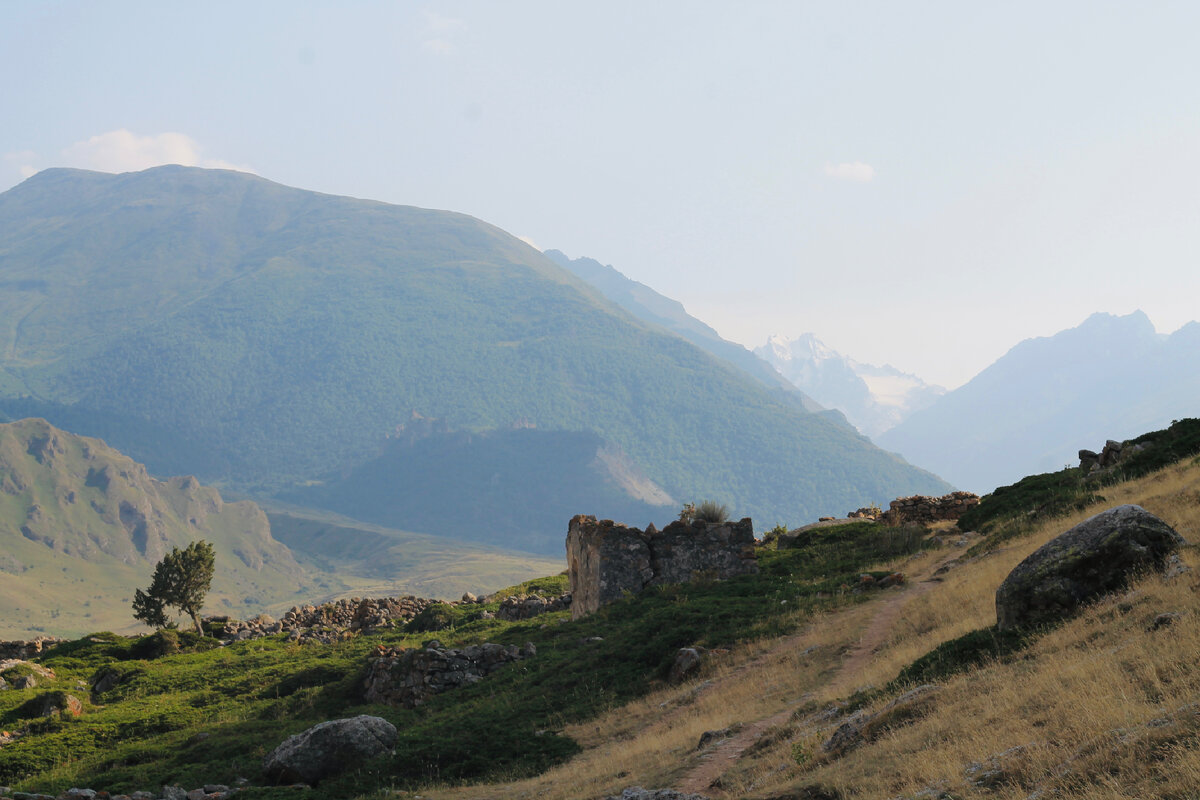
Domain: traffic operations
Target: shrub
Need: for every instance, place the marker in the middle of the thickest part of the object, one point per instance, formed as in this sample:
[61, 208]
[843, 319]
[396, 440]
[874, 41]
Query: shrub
[711, 511]
[436, 617]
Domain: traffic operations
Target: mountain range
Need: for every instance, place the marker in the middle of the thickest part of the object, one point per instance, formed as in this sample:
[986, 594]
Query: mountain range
[1032, 410]
[273, 339]
[873, 398]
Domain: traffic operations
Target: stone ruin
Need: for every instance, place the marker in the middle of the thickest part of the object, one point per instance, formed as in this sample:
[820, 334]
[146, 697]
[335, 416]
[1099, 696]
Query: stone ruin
[1109, 457]
[408, 677]
[27, 649]
[924, 510]
[606, 560]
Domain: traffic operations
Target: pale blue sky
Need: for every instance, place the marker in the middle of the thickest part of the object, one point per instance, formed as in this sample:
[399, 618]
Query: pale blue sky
[924, 184]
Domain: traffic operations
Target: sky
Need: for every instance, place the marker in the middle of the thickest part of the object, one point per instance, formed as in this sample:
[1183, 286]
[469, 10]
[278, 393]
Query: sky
[923, 184]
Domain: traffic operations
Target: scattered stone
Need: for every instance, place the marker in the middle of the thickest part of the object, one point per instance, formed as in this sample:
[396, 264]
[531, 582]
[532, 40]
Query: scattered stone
[329, 748]
[409, 677]
[638, 793]
[1165, 619]
[708, 737]
[1097, 556]
[606, 560]
[59, 704]
[995, 770]
[514, 609]
[324, 624]
[863, 726]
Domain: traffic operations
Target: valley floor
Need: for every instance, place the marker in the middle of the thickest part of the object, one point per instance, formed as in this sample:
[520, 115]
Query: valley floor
[1103, 706]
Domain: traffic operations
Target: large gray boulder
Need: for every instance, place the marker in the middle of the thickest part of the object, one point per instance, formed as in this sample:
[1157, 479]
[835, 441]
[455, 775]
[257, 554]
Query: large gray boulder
[1097, 556]
[328, 748]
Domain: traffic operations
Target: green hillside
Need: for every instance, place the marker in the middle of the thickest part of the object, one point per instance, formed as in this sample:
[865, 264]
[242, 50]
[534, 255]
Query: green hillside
[215, 323]
[82, 526]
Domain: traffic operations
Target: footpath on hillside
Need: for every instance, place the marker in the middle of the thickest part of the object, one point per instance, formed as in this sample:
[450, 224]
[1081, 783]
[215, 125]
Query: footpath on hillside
[720, 758]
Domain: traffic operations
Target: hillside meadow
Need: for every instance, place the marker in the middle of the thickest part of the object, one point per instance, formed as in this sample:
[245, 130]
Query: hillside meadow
[1103, 706]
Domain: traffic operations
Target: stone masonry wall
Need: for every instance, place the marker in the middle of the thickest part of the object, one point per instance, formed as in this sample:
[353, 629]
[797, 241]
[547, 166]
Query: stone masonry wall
[606, 560]
[923, 510]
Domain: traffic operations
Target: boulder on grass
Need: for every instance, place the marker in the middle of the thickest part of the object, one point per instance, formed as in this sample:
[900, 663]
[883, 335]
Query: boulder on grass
[1097, 556]
[329, 748]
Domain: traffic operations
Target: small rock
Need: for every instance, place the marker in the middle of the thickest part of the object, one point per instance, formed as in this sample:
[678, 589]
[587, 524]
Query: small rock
[686, 664]
[1165, 619]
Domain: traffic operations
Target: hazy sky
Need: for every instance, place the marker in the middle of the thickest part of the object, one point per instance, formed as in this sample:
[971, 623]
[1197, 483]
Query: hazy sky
[924, 184]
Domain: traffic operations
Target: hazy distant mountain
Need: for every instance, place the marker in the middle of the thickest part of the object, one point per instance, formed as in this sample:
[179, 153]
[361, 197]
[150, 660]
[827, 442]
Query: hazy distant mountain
[1047, 398]
[82, 526]
[650, 306]
[873, 398]
[215, 323]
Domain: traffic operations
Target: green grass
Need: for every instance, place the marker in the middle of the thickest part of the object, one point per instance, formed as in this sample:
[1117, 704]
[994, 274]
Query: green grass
[1012, 510]
[208, 714]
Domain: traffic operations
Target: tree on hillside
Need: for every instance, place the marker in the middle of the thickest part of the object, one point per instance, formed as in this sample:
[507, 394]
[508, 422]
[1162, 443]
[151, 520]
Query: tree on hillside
[181, 580]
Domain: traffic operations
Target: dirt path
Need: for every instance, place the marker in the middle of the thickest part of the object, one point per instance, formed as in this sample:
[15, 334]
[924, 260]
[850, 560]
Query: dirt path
[722, 756]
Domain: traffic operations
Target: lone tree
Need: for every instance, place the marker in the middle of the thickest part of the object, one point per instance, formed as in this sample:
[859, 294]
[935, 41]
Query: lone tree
[181, 580]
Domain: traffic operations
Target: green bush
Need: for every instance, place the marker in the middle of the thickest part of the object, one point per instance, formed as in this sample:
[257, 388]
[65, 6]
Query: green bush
[437, 617]
[968, 650]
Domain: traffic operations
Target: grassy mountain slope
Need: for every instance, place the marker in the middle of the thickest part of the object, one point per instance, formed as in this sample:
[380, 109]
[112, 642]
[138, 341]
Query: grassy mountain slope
[216, 323]
[82, 526]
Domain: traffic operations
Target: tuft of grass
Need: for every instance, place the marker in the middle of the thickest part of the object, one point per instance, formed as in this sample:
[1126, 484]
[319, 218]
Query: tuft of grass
[712, 511]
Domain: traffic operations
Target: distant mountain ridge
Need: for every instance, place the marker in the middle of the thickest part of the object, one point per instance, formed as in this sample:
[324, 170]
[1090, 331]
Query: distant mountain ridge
[873, 398]
[216, 323]
[651, 306]
[1032, 410]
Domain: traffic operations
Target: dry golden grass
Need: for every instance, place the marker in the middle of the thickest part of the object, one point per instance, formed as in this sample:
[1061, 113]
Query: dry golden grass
[1102, 707]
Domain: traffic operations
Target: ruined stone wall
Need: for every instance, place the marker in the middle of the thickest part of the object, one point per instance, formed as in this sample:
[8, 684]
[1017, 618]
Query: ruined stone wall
[606, 560]
[409, 677]
[1112, 454]
[27, 649]
[924, 510]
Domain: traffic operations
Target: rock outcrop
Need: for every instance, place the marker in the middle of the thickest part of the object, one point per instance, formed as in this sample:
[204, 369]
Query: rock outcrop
[1097, 556]
[606, 560]
[328, 748]
[406, 677]
[1112, 454]
[924, 510]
